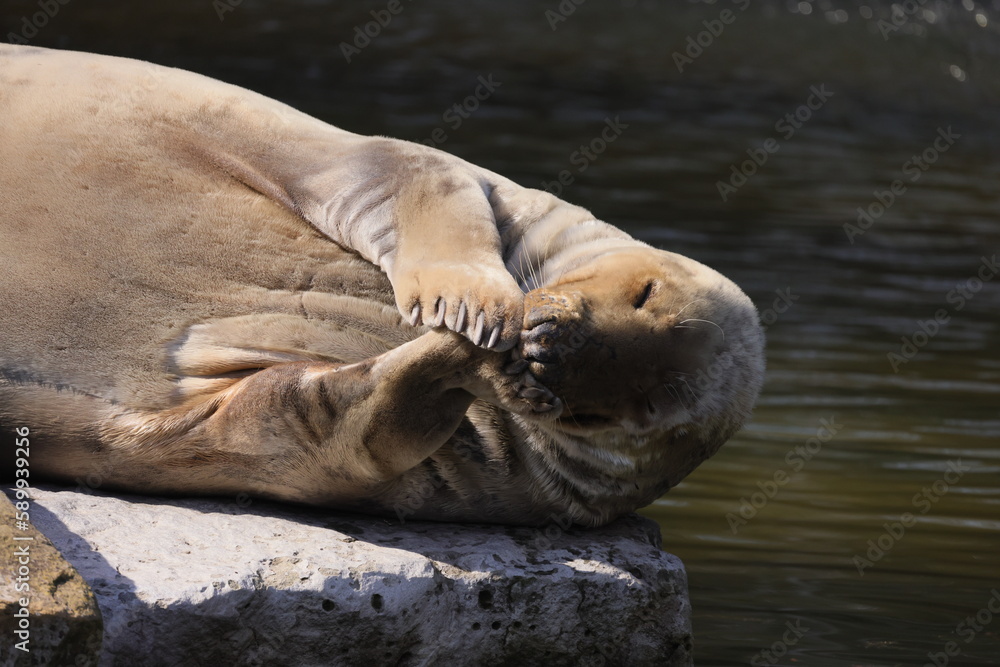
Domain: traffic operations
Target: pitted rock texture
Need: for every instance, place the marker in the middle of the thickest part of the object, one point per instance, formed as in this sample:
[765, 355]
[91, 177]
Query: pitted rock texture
[212, 582]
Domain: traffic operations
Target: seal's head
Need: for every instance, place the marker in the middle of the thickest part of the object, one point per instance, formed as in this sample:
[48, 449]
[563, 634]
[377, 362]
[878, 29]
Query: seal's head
[657, 359]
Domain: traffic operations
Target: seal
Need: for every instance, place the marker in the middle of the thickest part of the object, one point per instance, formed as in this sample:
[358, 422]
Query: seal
[208, 292]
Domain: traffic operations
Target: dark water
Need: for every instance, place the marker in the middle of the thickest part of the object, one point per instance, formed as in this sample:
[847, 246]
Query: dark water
[846, 443]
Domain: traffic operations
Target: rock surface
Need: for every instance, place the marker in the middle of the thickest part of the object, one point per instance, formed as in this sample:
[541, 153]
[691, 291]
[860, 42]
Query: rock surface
[208, 582]
[61, 623]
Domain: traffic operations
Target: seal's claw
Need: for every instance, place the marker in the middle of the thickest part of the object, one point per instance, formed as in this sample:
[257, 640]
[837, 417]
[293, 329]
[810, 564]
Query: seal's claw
[474, 296]
[415, 315]
[534, 392]
[494, 336]
[507, 382]
[541, 400]
[442, 306]
[477, 334]
[554, 407]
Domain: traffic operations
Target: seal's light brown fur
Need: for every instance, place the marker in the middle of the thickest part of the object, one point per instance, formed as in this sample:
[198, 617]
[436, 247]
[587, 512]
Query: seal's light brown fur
[205, 291]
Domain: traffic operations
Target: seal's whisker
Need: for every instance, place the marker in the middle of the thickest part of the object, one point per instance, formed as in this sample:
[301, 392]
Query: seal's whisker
[519, 271]
[694, 319]
[545, 253]
[673, 390]
[691, 303]
[524, 262]
[527, 272]
[690, 392]
[569, 413]
[536, 267]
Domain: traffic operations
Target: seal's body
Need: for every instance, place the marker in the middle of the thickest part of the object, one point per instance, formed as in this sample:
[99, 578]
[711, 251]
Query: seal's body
[205, 291]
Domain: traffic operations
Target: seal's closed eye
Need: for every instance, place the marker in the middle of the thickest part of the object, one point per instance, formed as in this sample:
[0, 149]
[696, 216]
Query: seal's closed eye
[643, 297]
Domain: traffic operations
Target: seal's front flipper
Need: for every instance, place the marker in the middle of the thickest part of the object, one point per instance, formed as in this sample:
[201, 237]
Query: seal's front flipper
[306, 431]
[447, 267]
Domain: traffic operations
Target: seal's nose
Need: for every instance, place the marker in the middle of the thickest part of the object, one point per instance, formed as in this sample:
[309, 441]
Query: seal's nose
[542, 306]
[551, 320]
[540, 342]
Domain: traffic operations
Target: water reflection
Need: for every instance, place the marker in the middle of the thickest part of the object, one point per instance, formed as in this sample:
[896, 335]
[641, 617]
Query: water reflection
[849, 299]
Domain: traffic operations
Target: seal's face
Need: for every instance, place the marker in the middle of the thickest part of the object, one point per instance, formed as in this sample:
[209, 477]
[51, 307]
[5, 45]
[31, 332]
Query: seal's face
[642, 344]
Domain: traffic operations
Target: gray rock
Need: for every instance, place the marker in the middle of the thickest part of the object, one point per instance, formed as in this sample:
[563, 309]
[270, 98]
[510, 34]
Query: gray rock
[208, 582]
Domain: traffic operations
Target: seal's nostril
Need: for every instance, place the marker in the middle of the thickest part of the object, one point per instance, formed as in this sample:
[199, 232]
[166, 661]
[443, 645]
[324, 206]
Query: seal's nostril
[545, 329]
[538, 352]
[540, 342]
[538, 316]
